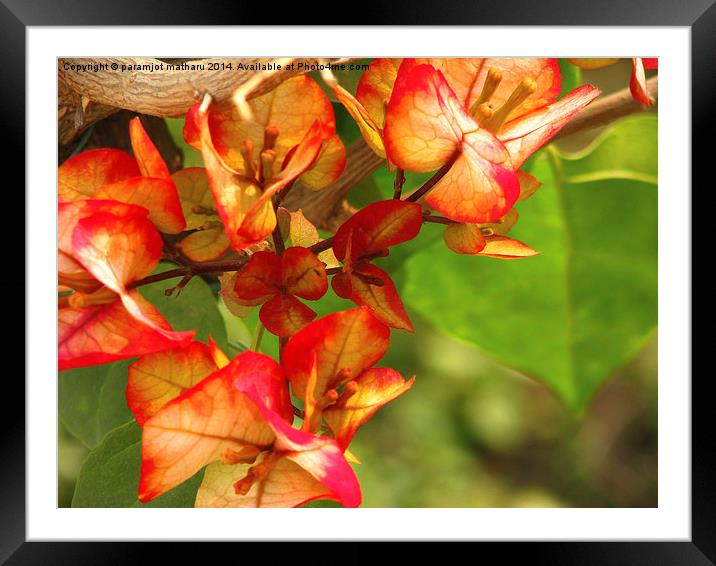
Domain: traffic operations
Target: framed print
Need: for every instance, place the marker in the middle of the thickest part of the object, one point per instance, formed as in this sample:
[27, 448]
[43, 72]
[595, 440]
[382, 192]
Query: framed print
[424, 282]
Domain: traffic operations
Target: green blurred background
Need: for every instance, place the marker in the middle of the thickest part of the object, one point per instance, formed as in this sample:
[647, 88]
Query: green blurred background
[475, 433]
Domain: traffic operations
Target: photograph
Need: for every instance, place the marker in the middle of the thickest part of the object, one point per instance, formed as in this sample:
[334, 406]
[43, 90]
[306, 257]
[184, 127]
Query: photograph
[420, 282]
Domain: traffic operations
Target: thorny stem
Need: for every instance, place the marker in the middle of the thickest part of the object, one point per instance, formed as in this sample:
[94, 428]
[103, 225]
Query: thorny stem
[171, 252]
[191, 268]
[179, 287]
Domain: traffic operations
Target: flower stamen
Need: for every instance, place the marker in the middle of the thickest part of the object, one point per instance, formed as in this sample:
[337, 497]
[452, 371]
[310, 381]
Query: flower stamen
[492, 81]
[518, 96]
[247, 153]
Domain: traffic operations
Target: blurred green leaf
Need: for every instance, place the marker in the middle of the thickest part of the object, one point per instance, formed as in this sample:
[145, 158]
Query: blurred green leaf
[110, 475]
[574, 314]
[322, 504]
[91, 401]
[192, 157]
[571, 76]
[195, 307]
[238, 333]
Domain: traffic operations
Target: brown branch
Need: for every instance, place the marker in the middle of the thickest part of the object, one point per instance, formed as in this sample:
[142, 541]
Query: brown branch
[192, 269]
[605, 110]
[437, 219]
[431, 182]
[398, 184]
[327, 208]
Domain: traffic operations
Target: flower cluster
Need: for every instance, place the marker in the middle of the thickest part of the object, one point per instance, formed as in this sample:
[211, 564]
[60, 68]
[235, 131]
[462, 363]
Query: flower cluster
[473, 122]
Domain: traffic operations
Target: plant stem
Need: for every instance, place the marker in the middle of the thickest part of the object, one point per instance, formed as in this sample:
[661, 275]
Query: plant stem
[321, 246]
[430, 183]
[437, 219]
[398, 185]
[192, 269]
[278, 240]
[258, 335]
[277, 237]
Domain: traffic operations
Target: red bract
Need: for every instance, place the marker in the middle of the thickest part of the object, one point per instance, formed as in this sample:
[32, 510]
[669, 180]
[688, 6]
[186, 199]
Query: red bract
[104, 246]
[275, 281]
[366, 235]
[111, 174]
[293, 136]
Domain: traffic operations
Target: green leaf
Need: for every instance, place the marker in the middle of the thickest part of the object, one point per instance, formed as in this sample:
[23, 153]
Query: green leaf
[322, 504]
[195, 308]
[192, 157]
[238, 334]
[574, 314]
[110, 475]
[571, 76]
[91, 401]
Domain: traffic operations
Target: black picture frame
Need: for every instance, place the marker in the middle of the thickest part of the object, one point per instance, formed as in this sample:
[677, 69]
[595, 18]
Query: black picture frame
[698, 15]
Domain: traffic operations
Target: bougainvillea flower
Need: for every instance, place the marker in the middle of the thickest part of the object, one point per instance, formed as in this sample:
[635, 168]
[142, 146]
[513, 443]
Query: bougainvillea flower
[366, 235]
[427, 128]
[292, 137]
[81, 175]
[329, 364]
[502, 247]
[107, 332]
[300, 467]
[637, 83]
[333, 350]
[360, 400]
[469, 239]
[490, 94]
[367, 107]
[103, 247]
[467, 78]
[481, 136]
[111, 174]
[219, 418]
[149, 160]
[209, 240]
[297, 230]
[275, 282]
[157, 378]
[472, 239]
[236, 420]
